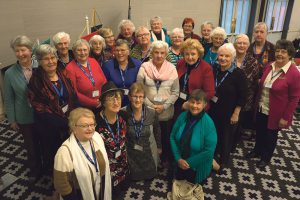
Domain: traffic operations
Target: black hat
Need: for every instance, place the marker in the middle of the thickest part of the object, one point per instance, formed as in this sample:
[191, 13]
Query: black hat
[109, 87]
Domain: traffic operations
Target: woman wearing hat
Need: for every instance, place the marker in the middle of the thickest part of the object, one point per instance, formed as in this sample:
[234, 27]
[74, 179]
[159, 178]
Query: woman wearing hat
[112, 128]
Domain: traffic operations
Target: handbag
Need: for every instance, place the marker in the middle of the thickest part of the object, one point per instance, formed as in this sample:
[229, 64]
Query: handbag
[184, 190]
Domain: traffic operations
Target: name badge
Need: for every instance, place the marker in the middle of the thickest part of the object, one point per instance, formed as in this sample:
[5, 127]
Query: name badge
[214, 99]
[138, 147]
[126, 91]
[182, 95]
[96, 93]
[65, 108]
[268, 85]
[118, 154]
[158, 99]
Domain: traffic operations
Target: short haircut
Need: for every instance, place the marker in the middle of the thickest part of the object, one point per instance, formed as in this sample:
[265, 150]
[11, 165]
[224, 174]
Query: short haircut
[154, 19]
[78, 43]
[177, 30]
[58, 36]
[242, 35]
[198, 95]
[136, 88]
[44, 50]
[228, 47]
[218, 31]
[21, 40]
[263, 24]
[188, 20]
[159, 44]
[125, 22]
[97, 38]
[207, 23]
[121, 42]
[110, 93]
[104, 32]
[192, 44]
[76, 114]
[139, 29]
[287, 45]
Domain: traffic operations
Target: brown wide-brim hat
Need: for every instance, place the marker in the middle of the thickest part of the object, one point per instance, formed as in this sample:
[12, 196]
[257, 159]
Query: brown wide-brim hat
[109, 87]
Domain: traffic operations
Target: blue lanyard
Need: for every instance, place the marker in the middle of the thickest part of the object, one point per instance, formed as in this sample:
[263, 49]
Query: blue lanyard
[157, 84]
[90, 76]
[138, 130]
[116, 137]
[122, 76]
[212, 61]
[187, 76]
[61, 91]
[87, 156]
[218, 84]
[186, 130]
[143, 59]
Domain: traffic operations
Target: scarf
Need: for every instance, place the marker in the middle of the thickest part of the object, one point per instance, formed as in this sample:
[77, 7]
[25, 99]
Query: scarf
[163, 37]
[164, 73]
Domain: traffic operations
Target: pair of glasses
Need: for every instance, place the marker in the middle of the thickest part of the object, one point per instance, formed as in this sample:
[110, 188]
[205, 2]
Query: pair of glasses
[143, 35]
[86, 126]
[52, 58]
[113, 98]
[138, 97]
[120, 50]
[177, 37]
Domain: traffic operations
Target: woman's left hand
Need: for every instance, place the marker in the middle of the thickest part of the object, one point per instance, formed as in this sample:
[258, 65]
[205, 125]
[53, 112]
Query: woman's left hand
[159, 151]
[282, 123]
[159, 108]
[234, 118]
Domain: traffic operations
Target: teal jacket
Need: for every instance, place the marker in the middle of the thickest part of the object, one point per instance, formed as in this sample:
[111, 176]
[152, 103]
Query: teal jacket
[16, 102]
[202, 146]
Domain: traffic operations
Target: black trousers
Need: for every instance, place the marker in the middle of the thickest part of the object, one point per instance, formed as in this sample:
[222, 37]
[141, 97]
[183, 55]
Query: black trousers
[266, 139]
[166, 127]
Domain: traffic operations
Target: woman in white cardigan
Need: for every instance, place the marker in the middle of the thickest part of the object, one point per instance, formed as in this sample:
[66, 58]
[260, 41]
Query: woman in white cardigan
[81, 168]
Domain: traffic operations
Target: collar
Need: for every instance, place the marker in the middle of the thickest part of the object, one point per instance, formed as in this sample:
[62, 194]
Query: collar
[34, 64]
[129, 65]
[285, 68]
[231, 69]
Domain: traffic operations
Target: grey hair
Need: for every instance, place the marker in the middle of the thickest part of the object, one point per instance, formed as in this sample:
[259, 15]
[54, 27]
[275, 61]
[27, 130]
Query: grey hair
[242, 35]
[21, 40]
[138, 30]
[44, 50]
[125, 22]
[159, 44]
[263, 24]
[58, 36]
[97, 38]
[218, 31]
[177, 30]
[121, 42]
[228, 47]
[207, 23]
[156, 18]
[80, 42]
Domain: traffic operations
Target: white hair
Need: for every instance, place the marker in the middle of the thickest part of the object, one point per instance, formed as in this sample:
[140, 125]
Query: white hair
[229, 48]
[154, 19]
[58, 36]
[177, 30]
[125, 22]
[159, 44]
[242, 35]
[263, 24]
[218, 31]
[138, 30]
[97, 38]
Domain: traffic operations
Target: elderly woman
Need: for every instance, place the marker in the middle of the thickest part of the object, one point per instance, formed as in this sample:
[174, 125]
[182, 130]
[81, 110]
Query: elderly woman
[162, 90]
[158, 32]
[52, 97]
[141, 51]
[61, 41]
[18, 110]
[205, 40]
[97, 45]
[250, 66]
[112, 128]
[230, 96]
[218, 36]
[82, 159]
[143, 136]
[188, 25]
[127, 28]
[174, 50]
[86, 75]
[193, 73]
[194, 158]
[261, 49]
[123, 69]
[277, 98]
[109, 38]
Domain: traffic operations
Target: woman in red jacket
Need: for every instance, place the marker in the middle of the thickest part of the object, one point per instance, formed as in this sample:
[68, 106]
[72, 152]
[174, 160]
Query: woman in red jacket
[193, 73]
[277, 98]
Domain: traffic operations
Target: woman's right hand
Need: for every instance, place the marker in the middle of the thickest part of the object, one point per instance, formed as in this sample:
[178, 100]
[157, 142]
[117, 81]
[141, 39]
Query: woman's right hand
[183, 164]
[14, 126]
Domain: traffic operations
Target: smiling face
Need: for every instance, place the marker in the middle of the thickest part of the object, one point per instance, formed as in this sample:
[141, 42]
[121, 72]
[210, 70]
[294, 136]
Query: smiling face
[217, 40]
[191, 56]
[126, 31]
[136, 99]
[177, 39]
[112, 102]
[281, 57]
[196, 106]
[97, 47]
[159, 56]
[63, 46]
[241, 45]
[260, 34]
[122, 53]
[84, 129]
[205, 31]
[82, 53]
[49, 63]
[156, 26]
[187, 28]
[23, 54]
[110, 40]
[225, 58]
[143, 37]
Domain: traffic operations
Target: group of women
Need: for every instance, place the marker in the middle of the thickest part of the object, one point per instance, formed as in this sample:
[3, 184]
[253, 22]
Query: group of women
[128, 102]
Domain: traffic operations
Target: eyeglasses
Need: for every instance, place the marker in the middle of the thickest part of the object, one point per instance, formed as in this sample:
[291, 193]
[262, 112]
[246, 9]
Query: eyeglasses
[86, 126]
[138, 97]
[143, 35]
[52, 58]
[110, 36]
[177, 37]
[188, 26]
[113, 98]
[120, 50]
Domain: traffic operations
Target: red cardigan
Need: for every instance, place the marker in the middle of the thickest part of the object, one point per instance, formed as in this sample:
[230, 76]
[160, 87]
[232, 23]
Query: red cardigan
[201, 77]
[82, 84]
[284, 95]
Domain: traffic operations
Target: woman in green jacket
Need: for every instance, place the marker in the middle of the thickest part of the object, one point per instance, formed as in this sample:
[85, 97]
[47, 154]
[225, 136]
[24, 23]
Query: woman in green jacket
[193, 141]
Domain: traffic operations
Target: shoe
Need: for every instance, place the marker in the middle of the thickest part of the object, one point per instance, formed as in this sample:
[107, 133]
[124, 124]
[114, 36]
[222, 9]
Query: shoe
[252, 154]
[261, 164]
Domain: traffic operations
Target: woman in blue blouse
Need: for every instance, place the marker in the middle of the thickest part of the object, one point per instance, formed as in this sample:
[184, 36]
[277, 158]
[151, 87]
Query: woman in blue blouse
[193, 140]
[122, 70]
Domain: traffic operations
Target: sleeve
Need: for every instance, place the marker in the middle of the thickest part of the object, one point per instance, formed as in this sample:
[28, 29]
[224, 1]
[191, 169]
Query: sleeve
[157, 132]
[209, 84]
[106, 71]
[210, 142]
[175, 149]
[174, 92]
[9, 99]
[141, 79]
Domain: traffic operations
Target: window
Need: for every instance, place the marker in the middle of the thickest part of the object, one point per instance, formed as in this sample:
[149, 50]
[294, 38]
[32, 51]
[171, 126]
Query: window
[275, 15]
[235, 16]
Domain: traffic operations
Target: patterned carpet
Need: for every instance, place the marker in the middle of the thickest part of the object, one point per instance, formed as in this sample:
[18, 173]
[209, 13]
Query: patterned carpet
[241, 180]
